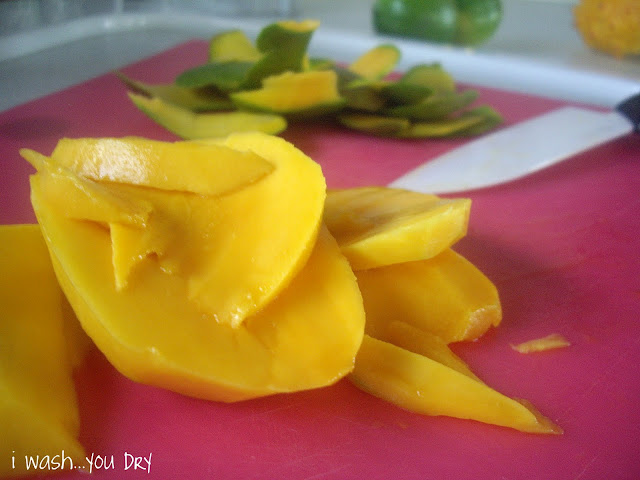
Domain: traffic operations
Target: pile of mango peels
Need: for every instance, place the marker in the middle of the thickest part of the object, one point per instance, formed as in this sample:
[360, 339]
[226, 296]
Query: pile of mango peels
[171, 261]
[262, 86]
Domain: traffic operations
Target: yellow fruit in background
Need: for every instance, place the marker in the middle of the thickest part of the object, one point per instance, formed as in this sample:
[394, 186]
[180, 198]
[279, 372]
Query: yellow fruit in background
[612, 26]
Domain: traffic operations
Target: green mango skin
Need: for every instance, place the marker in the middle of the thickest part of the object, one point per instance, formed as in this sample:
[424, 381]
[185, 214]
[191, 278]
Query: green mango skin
[435, 107]
[432, 76]
[471, 122]
[203, 99]
[226, 76]
[282, 49]
[229, 91]
[192, 126]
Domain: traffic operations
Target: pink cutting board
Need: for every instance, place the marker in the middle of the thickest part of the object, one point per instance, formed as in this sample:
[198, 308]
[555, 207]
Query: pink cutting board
[561, 245]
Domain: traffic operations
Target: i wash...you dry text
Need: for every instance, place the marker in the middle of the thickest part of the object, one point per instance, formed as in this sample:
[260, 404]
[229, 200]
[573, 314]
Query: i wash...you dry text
[93, 462]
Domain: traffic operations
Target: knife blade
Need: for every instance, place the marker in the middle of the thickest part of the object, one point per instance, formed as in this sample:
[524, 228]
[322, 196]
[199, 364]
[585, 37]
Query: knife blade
[521, 149]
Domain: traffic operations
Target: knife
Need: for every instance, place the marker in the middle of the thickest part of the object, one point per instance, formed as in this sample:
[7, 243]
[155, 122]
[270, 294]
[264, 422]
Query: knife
[521, 149]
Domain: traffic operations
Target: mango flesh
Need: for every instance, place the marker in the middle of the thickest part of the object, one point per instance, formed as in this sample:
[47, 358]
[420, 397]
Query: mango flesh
[378, 226]
[211, 169]
[190, 125]
[420, 384]
[292, 316]
[211, 240]
[422, 342]
[150, 332]
[295, 191]
[82, 198]
[38, 405]
[445, 295]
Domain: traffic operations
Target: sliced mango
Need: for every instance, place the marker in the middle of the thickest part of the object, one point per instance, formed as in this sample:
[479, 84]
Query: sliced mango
[421, 342]
[77, 197]
[445, 295]
[377, 226]
[180, 166]
[307, 337]
[550, 342]
[420, 384]
[190, 125]
[296, 190]
[212, 240]
[304, 93]
[38, 406]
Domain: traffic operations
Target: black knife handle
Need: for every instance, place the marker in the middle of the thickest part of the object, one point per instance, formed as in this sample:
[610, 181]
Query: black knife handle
[630, 108]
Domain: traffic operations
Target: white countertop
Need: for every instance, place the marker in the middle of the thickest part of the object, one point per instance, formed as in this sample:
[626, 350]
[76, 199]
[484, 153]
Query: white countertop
[535, 50]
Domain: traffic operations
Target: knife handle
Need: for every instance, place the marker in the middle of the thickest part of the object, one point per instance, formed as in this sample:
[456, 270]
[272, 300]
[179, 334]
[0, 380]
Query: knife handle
[630, 108]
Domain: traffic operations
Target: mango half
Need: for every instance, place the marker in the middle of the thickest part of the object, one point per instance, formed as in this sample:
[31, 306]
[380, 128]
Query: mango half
[296, 317]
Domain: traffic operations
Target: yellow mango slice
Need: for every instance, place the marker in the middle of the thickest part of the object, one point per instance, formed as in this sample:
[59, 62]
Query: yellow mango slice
[124, 214]
[38, 406]
[77, 197]
[232, 251]
[550, 342]
[180, 166]
[378, 226]
[130, 245]
[249, 255]
[423, 343]
[306, 337]
[420, 384]
[445, 295]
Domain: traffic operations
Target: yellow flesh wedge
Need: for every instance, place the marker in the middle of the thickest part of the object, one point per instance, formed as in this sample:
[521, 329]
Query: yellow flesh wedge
[422, 385]
[378, 226]
[179, 166]
[445, 295]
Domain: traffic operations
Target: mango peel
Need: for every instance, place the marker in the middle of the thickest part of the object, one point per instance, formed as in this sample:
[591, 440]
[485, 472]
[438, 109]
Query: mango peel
[263, 85]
